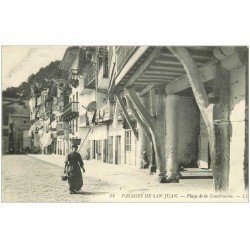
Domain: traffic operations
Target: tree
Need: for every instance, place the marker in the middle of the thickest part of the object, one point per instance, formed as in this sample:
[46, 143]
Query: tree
[23, 90]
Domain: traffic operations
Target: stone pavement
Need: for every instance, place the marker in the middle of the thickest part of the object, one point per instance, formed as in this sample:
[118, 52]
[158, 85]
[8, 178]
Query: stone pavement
[36, 178]
[27, 179]
[130, 179]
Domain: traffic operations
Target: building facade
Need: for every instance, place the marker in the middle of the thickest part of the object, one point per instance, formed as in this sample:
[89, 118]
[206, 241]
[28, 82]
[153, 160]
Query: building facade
[181, 106]
[16, 124]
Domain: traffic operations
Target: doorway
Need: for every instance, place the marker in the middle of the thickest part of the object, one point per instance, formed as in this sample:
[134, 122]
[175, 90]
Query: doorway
[118, 150]
[110, 149]
[128, 153]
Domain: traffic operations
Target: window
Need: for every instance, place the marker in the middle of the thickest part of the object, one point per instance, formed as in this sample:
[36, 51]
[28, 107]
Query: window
[76, 124]
[77, 96]
[128, 140]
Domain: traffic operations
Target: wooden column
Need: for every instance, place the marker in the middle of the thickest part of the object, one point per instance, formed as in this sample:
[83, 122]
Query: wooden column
[172, 136]
[156, 127]
[215, 116]
[125, 113]
[220, 160]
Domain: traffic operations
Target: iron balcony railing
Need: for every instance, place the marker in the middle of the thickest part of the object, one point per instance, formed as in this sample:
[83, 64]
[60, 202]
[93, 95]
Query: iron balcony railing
[103, 72]
[71, 107]
[106, 112]
[60, 132]
[123, 53]
[91, 75]
[70, 111]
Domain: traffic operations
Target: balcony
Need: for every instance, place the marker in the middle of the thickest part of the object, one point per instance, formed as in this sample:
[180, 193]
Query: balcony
[84, 89]
[83, 121]
[70, 111]
[90, 79]
[103, 80]
[123, 53]
[57, 109]
[105, 113]
[60, 132]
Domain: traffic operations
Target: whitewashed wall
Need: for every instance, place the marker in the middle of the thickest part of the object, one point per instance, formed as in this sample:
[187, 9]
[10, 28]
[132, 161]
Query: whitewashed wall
[188, 130]
[237, 105]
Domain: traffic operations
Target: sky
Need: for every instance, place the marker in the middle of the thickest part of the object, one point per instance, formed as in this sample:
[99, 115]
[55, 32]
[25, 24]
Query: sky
[19, 62]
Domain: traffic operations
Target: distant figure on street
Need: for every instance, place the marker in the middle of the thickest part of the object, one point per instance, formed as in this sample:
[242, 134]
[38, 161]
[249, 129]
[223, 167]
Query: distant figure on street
[144, 160]
[73, 166]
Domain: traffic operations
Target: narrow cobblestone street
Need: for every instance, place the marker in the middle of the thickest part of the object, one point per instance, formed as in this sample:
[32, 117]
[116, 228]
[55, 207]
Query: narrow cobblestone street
[26, 179]
[36, 178]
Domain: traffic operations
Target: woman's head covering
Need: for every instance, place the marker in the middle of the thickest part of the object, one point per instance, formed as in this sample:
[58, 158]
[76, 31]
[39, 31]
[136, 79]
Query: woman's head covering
[75, 146]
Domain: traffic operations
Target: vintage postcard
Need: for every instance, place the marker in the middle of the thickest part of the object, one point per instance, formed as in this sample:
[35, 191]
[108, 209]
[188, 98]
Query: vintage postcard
[125, 124]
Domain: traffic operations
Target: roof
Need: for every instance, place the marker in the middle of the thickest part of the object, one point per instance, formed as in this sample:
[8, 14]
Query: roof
[55, 84]
[76, 54]
[69, 58]
[60, 82]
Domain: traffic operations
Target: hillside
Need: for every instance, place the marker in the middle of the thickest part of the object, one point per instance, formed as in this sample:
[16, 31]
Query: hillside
[23, 90]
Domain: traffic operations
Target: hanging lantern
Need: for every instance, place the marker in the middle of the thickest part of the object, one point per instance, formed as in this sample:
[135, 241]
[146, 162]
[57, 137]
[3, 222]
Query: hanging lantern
[74, 78]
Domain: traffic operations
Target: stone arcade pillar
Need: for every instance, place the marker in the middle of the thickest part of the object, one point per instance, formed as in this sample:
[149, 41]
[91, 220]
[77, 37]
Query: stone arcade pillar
[143, 143]
[172, 136]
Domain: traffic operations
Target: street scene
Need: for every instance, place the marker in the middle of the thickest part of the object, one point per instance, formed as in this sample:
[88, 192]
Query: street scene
[125, 124]
[37, 178]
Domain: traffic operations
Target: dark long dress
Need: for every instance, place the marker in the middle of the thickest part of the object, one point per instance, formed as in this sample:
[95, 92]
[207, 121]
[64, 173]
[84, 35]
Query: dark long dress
[73, 170]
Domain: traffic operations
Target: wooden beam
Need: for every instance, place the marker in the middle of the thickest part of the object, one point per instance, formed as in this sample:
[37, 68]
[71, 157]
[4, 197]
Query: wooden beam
[201, 48]
[153, 97]
[137, 102]
[201, 57]
[138, 118]
[169, 69]
[155, 77]
[207, 73]
[146, 89]
[215, 116]
[174, 63]
[144, 66]
[143, 83]
[125, 112]
[146, 80]
[164, 73]
[135, 57]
